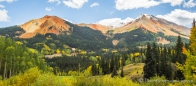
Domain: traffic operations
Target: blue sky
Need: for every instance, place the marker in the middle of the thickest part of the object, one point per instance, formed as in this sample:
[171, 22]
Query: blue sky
[106, 12]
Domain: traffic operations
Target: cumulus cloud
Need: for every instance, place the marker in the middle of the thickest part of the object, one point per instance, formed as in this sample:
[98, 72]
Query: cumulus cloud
[94, 4]
[75, 3]
[190, 3]
[2, 6]
[4, 16]
[48, 9]
[53, 1]
[115, 22]
[134, 4]
[173, 2]
[9, 1]
[181, 17]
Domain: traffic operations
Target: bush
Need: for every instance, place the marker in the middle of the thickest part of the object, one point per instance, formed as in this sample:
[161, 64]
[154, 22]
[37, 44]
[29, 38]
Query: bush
[103, 81]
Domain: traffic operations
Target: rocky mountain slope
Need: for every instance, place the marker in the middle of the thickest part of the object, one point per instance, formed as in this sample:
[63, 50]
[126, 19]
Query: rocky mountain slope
[155, 25]
[47, 24]
[136, 34]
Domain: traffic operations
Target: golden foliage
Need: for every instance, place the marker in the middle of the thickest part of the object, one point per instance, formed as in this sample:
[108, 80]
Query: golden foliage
[19, 42]
[87, 72]
[114, 51]
[137, 54]
[103, 81]
[184, 51]
[193, 41]
[105, 50]
[189, 68]
[58, 51]
[83, 52]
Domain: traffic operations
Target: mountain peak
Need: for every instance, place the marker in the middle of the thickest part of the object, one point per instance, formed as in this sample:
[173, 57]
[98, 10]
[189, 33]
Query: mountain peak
[46, 24]
[145, 15]
[48, 16]
[155, 25]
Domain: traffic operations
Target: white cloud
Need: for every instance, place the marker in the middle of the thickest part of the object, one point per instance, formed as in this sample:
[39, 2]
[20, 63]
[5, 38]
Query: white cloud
[134, 4]
[94, 4]
[190, 3]
[173, 2]
[179, 16]
[48, 9]
[9, 1]
[2, 6]
[3, 16]
[115, 22]
[53, 1]
[75, 3]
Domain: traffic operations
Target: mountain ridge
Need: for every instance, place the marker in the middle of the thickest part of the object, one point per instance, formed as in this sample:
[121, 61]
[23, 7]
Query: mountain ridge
[99, 27]
[56, 25]
[155, 25]
[46, 24]
[136, 34]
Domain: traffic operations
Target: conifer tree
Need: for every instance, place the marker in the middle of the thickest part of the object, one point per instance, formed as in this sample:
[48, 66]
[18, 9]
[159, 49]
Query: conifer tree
[192, 39]
[179, 57]
[94, 70]
[112, 63]
[103, 65]
[163, 63]
[107, 68]
[155, 54]
[150, 64]
[114, 72]
[123, 60]
[122, 72]
[169, 72]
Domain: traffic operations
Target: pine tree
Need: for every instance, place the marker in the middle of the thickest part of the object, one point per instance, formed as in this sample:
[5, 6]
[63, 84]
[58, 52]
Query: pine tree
[114, 72]
[192, 39]
[155, 54]
[94, 70]
[163, 63]
[169, 72]
[179, 57]
[123, 60]
[107, 68]
[122, 72]
[150, 64]
[112, 63]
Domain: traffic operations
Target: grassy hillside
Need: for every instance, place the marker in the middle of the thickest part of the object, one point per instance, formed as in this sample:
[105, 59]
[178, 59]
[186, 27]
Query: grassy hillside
[133, 71]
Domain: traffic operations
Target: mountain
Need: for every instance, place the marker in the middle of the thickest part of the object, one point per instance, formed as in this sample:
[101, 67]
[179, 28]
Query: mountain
[99, 27]
[47, 24]
[155, 25]
[42, 32]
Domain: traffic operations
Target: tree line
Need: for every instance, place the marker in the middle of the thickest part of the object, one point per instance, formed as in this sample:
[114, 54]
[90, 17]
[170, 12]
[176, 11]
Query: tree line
[15, 58]
[175, 63]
